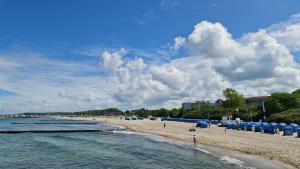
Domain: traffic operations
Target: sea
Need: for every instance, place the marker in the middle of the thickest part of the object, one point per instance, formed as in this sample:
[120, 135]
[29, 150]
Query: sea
[108, 148]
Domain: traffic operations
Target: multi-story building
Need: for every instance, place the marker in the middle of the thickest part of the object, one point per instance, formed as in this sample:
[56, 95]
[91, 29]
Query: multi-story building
[257, 101]
[202, 104]
[189, 106]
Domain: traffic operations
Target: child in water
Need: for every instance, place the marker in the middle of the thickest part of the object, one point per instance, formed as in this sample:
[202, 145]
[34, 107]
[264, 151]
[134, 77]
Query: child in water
[194, 139]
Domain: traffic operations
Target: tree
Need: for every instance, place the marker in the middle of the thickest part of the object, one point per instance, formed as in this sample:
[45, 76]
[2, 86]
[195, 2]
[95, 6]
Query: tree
[296, 92]
[288, 101]
[273, 105]
[162, 113]
[198, 104]
[127, 112]
[233, 100]
[206, 108]
[288, 116]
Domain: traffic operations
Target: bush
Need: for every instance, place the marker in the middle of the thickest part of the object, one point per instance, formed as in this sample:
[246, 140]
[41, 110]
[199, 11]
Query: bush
[288, 116]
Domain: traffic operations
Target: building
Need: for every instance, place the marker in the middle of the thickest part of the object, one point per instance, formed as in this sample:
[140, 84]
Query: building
[189, 106]
[202, 104]
[257, 101]
[218, 103]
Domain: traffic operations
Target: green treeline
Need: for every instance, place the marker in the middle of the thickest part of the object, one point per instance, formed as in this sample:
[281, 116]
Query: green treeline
[279, 107]
[104, 112]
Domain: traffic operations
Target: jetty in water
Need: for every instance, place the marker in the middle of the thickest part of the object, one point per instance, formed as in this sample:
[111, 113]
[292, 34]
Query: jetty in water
[51, 131]
[69, 123]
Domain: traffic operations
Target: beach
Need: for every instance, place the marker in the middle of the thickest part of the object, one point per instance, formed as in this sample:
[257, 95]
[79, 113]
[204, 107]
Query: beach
[255, 148]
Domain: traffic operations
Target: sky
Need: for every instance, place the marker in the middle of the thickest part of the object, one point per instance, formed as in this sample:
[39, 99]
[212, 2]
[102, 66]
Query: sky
[71, 55]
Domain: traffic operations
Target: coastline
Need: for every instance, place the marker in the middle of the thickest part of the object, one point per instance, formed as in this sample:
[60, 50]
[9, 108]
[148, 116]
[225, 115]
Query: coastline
[215, 141]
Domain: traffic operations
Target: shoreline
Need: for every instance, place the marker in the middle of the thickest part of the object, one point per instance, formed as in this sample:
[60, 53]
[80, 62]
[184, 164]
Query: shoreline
[245, 161]
[205, 143]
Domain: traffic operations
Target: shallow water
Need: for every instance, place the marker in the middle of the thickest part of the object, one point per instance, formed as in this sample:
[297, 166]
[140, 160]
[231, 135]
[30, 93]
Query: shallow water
[94, 150]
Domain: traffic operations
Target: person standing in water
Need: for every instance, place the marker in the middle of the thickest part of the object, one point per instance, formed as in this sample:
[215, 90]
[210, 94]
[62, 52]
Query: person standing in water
[194, 139]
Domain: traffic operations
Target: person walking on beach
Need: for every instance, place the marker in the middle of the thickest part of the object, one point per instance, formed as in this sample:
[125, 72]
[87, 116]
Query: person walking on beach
[164, 125]
[194, 139]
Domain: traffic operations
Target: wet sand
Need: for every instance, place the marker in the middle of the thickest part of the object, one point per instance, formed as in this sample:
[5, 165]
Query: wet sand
[257, 149]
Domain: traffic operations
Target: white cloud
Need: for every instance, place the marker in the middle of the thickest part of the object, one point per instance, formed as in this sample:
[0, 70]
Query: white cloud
[179, 42]
[257, 63]
[6, 64]
[212, 40]
[170, 76]
[289, 36]
[43, 84]
[136, 65]
[287, 33]
[256, 57]
[112, 60]
[168, 4]
[148, 17]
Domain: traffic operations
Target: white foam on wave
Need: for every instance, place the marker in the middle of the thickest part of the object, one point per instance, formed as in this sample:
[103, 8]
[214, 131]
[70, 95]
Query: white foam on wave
[123, 132]
[116, 126]
[147, 135]
[234, 161]
[230, 160]
[205, 151]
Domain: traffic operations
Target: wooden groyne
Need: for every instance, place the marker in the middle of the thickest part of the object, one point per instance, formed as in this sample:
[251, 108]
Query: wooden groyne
[50, 131]
[70, 123]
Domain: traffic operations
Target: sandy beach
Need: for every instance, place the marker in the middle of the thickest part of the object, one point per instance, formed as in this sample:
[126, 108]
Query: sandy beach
[255, 148]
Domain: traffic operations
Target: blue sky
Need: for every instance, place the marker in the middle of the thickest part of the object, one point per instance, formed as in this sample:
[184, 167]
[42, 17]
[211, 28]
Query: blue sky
[41, 39]
[48, 24]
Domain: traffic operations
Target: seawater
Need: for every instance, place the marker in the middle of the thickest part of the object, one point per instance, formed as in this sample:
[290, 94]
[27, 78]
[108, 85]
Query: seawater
[96, 150]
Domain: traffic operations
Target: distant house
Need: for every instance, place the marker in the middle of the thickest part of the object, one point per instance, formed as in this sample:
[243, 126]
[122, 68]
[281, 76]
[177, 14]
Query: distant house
[189, 106]
[257, 101]
[218, 103]
[202, 104]
[139, 110]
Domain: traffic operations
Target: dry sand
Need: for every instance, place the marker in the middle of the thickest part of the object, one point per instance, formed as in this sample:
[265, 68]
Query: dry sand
[284, 151]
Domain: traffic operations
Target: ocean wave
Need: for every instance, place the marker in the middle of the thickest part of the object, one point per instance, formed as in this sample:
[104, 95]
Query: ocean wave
[113, 125]
[234, 161]
[146, 135]
[123, 132]
[205, 151]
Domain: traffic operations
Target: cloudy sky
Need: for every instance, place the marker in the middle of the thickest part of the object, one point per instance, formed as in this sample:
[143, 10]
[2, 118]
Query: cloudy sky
[63, 55]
